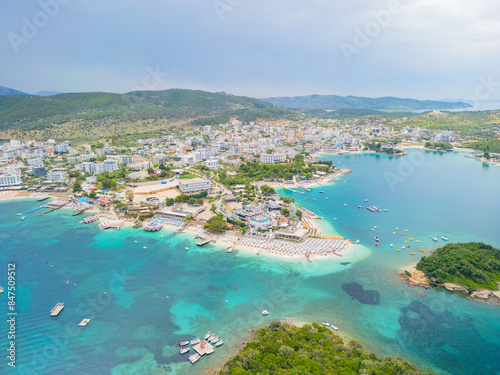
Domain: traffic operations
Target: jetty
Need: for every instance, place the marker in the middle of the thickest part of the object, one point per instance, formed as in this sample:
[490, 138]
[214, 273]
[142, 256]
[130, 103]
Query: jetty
[57, 309]
[79, 212]
[205, 241]
[34, 209]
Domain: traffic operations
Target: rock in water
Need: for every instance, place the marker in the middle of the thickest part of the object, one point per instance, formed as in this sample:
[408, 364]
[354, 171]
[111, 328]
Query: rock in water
[367, 297]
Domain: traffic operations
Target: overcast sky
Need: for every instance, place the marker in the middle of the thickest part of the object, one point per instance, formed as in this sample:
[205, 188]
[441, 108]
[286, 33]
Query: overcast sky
[424, 49]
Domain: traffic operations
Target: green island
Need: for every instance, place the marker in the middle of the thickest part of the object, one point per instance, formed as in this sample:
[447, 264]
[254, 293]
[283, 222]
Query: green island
[439, 146]
[281, 348]
[474, 265]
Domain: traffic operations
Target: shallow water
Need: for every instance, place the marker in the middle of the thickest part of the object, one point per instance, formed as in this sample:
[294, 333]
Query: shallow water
[144, 301]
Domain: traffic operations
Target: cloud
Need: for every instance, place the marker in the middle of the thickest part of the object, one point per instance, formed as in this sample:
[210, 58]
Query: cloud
[429, 49]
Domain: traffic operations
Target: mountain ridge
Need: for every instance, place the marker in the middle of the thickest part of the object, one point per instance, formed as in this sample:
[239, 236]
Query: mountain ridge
[334, 102]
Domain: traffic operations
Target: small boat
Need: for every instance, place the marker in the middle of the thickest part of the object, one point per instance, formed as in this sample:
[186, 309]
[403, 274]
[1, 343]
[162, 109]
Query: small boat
[186, 248]
[136, 241]
[434, 239]
[229, 250]
[144, 247]
[19, 214]
[412, 253]
[194, 342]
[366, 200]
[335, 218]
[80, 222]
[161, 236]
[444, 238]
[376, 238]
[326, 198]
[184, 350]
[321, 192]
[305, 199]
[212, 336]
[360, 207]
[214, 340]
[326, 324]
[375, 227]
[393, 232]
[421, 250]
[184, 343]
[194, 358]
[386, 210]
[357, 241]
[334, 327]
[208, 335]
[210, 351]
[24, 217]
[399, 250]
[377, 244]
[219, 343]
[314, 199]
[391, 245]
[345, 204]
[265, 312]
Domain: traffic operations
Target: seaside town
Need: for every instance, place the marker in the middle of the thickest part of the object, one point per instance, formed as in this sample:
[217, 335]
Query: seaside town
[216, 181]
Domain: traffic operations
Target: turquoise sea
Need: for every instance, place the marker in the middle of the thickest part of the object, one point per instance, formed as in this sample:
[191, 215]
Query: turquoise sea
[143, 302]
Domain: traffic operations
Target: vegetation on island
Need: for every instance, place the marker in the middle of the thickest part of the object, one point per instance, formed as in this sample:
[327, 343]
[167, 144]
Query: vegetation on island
[474, 265]
[492, 145]
[311, 349]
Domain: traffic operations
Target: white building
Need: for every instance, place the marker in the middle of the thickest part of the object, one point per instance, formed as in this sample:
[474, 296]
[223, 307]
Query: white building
[212, 164]
[125, 159]
[110, 165]
[272, 158]
[193, 185]
[56, 176]
[10, 180]
[207, 128]
[62, 147]
[88, 167]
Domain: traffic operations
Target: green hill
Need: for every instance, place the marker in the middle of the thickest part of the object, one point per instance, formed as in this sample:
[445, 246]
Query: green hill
[331, 102]
[104, 114]
[312, 349]
[474, 265]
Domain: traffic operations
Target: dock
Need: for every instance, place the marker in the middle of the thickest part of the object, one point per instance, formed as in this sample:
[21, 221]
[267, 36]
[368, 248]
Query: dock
[202, 347]
[56, 310]
[84, 322]
[34, 209]
[204, 242]
[79, 212]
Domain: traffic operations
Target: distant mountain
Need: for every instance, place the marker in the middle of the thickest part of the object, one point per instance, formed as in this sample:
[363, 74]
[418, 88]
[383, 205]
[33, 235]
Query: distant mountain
[87, 115]
[332, 102]
[47, 93]
[7, 91]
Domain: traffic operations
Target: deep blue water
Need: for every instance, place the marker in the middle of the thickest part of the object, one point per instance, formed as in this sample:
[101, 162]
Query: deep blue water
[144, 301]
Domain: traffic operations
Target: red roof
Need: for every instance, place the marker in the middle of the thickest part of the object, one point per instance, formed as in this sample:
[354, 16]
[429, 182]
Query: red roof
[103, 200]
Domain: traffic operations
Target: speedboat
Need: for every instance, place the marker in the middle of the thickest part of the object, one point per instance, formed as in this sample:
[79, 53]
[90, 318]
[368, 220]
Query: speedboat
[434, 239]
[194, 358]
[326, 324]
[187, 248]
[136, 241]
[219, 343]
[144, 247]
[326, 197]
[391, 245]
[321, 191]
[375, 238]
[184, 350]
[24, 217]
[209, 351]
[345, 204]
[161, 236]
[366, 200]
[357, 241]
[212, 336]
[334, 327]
[194, 342]
[386, 210]
[265, 312]
[184, 343]
[444, 238]
[214, 340]
[208, 335]
[360, 206]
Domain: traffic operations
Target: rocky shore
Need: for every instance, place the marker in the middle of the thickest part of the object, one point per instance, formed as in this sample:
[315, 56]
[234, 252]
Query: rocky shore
[414, 277]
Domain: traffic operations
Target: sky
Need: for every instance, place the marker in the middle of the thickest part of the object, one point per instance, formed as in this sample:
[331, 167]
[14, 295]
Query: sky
[423, 49]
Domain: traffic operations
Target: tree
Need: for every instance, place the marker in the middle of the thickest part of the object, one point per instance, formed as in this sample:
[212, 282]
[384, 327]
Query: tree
[129, 194]
[267, 190]
[92, 194]
[151, 170]
[299, 214]
[77, 186]
[191, 201]
[169, 201]
[216, 224]
[285, 212]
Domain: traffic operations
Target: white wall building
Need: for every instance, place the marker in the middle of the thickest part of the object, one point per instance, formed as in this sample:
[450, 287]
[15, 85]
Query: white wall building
[10, 180]
[62, 147]
[56, 176]
[88, 167]
[272, 158]
[194, 184]
[125, 159]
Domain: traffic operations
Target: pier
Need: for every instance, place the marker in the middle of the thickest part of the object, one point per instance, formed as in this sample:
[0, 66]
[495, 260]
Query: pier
[57, 309]
[204, 242]
[79, 212]
[34, 209]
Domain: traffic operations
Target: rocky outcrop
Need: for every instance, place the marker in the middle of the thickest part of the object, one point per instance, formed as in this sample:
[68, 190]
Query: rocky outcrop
[456, 288]
[414, 277]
